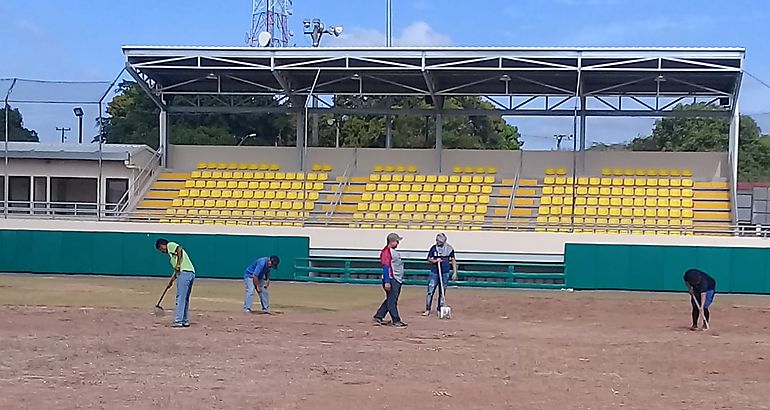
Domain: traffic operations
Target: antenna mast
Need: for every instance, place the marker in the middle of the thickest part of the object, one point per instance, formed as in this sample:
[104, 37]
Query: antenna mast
[270, 16]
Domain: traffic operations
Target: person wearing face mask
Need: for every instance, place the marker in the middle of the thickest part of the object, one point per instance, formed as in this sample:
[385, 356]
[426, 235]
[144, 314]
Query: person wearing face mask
[440, 253]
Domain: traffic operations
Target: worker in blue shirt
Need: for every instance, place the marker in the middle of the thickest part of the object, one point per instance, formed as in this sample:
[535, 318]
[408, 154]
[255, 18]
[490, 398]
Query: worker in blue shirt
[257, 279]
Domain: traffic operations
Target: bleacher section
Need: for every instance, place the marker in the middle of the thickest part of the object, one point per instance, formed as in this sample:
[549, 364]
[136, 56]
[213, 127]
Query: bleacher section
[618, 201]
[235, 194]
[638, 201]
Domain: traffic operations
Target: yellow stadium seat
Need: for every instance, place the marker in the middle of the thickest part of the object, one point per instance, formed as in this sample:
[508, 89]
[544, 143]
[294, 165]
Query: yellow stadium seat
[687, 193]
[547, 190]
[651, 192]
[581, 201]
[546, 200]
[592, 201]
[457, 169]
[237, 194]
[687, 213]
[639, 202]
[557, 200]
[561, 180]
[687, 173]
[549, 180]
[443, 179]
[211, 165]
[605, 191]
[606, 171]
[274, 167]
[452, 189]
[593, 191]
[651, 202]
[457, 208]
[581, 190]
[464, 179]
[222, 165]
[468, 169]
[626, 212]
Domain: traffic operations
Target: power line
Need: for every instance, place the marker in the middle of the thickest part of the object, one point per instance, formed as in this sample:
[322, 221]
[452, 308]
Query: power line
[757, 78]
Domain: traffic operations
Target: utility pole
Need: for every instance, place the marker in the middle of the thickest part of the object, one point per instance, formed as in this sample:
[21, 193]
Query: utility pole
[63, 130]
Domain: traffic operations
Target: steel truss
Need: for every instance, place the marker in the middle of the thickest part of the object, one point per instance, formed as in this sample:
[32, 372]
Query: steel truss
[614, 82]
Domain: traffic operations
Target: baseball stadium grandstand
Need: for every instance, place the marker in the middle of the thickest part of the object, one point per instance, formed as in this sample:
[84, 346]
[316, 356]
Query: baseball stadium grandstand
[619, 195]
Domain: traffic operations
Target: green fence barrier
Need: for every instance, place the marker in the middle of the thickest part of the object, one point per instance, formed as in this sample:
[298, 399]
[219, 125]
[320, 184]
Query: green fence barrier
[660, 268]
[133, 253]
[470, 273]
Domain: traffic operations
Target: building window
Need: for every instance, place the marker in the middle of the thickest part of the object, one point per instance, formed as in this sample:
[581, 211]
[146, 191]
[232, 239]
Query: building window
[18, 189]
[116, 188]
[82, 190]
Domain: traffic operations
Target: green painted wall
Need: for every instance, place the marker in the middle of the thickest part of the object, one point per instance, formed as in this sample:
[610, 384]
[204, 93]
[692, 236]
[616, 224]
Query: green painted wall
[133, 253]
[660, 268]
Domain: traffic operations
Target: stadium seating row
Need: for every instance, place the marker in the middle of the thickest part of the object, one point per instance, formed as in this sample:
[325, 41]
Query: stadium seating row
[232, 166]
[610, 211]
[274, 185]
[255, 194]
[440, 188]
[413, 169]
[432, 179]
[424, 198]
[432, 208]
[567, 220]
[242, 166]
[619, 182]
[625, 202]
[417, 217]
[279, 176]
[241, 204]
[618, 191]
[630, 172]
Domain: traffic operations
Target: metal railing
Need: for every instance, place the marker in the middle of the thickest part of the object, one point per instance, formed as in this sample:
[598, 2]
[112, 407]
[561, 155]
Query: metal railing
[140, 183]
[54, 210]
[341, 186]
[514, 187]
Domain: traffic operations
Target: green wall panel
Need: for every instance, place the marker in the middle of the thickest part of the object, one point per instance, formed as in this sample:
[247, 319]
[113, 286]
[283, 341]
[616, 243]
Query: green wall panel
[583, 258]
[660, 268]
[134, 253]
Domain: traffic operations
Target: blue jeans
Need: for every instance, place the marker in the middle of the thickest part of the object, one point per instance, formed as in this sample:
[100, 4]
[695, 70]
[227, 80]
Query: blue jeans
[184, 284]
[250, 289]
[432, 286]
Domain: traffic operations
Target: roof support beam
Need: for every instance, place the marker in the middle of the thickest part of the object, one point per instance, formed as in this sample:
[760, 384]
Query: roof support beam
[143, 85]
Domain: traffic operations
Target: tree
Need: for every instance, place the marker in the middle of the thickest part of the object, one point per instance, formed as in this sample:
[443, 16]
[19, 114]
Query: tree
[417, 131]
[711, 134]
[133, 119]
[16, 130]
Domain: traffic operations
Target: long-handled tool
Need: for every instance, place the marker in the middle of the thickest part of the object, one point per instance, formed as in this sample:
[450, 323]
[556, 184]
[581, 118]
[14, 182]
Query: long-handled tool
[158, 308]
[702, 315]
[444, 311]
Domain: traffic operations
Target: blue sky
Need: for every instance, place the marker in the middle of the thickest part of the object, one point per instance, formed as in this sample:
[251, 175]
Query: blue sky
[80, 40]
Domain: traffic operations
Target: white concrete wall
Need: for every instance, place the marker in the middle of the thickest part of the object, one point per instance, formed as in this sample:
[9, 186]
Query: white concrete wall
[705, 165]
[490, 243]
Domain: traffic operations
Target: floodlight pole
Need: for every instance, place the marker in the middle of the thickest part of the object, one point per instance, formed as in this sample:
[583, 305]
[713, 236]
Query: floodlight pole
[7, 138]
[163, 144]
[388, 23]
[388, 43]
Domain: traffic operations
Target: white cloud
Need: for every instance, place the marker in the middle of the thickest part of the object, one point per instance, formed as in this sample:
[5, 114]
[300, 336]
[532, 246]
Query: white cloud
[418, 33]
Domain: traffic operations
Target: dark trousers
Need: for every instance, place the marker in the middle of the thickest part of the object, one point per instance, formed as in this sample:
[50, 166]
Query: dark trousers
[390, 304]
[696, 313]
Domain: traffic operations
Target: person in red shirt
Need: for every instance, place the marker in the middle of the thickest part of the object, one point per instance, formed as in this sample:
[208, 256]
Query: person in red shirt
[392, 278]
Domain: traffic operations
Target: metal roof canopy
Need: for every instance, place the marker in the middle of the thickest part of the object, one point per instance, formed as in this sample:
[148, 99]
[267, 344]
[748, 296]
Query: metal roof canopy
[631, 82]
[532, 81]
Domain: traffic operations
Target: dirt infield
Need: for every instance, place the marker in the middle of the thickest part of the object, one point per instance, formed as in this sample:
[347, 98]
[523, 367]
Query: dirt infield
[503, 349]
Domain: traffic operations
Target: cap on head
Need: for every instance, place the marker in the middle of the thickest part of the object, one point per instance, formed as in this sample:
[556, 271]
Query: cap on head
[394, 237]
[441, 238]
[274, 261]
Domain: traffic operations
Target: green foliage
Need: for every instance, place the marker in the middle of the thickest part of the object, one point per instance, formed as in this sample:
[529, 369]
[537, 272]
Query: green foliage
[711, 134]
[414, 131]
[16, 130]
[133, 118]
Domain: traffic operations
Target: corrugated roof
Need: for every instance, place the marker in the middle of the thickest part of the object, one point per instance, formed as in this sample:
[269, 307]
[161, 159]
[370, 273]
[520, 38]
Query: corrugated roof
[35, 150]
